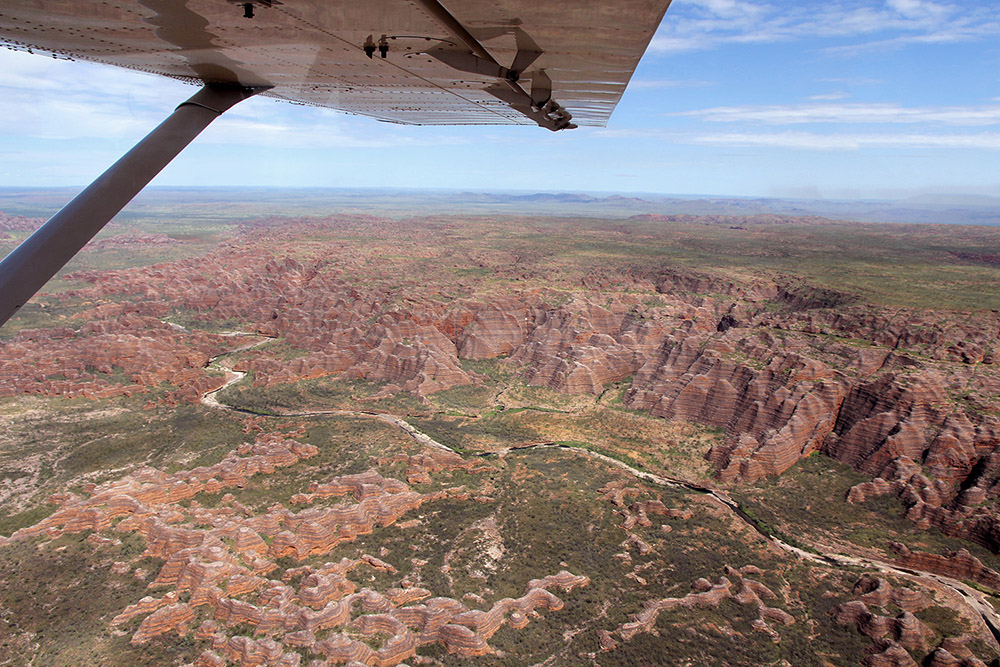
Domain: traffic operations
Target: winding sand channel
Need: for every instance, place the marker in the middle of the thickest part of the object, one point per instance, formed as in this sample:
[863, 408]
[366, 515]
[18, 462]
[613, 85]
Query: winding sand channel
[973, 598]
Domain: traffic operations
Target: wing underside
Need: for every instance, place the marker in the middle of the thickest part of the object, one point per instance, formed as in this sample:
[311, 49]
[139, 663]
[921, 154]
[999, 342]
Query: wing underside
[513, 58]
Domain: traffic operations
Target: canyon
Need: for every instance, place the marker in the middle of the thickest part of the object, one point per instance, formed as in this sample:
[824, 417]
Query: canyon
[906, 396]
[475, 326]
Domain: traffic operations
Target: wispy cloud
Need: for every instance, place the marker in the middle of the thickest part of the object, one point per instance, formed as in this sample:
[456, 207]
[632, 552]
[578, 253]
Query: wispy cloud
[669, 83]
[830, 97]
[44, 99]
[705, 24]
[849, 113]
[853, 80]
[816, 141]
[257, 123]
[920, 8]
[48, 99]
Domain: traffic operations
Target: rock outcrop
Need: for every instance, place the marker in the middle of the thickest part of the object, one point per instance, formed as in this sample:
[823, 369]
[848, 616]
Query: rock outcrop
[876, 592]
[906, 630]
[961, 508]
[132, 240]
[638, 513]
[895, 638]
[784, 369]
[959, 565]
[126, 354]
[19, 223]
[222, 562]
[744, 591]
[943, 658]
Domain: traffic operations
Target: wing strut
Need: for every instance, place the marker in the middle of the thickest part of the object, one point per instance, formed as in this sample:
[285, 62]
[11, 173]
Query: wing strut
[25, 270]
[547, 113]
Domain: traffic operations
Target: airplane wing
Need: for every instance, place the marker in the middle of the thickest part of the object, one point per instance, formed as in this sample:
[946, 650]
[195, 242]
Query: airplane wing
[554, 63]
[472, 62]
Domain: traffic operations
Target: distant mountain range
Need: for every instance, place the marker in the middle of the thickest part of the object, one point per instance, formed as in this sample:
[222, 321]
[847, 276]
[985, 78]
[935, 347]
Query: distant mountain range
[947, 210]
[254, 201]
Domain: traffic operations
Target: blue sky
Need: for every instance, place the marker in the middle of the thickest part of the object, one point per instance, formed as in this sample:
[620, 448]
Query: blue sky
[839, 99]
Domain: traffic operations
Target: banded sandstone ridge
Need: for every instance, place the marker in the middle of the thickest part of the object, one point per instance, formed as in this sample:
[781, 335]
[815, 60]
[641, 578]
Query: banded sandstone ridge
[905, 395]
[622, 341]
[217, 562]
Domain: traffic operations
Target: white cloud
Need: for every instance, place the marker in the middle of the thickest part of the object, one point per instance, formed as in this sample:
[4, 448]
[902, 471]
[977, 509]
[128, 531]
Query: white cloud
[668, 83]
[815, 141]
[44, 99]
[730, 8]
[920, 8]
[676, 44]
[853, 80]
[849, 113]
[989, 141]
[50, 99]
[705, 24]
[830, 97]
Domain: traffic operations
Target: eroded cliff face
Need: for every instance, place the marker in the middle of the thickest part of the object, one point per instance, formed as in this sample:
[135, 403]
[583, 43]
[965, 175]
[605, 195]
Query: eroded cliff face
[909, 397]
[121, 353]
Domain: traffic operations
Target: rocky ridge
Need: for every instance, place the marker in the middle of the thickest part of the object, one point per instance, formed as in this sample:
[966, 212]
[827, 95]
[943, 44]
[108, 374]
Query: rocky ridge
[895, 638]
[959, 565]
[19, 223]
[704, 593]
[131, 240]
[120, 354]
[782, 368]
[733, 221]
[220, 564]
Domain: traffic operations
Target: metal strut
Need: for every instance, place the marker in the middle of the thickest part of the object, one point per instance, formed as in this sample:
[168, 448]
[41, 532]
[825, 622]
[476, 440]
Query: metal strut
[25, 270]
[547, 113]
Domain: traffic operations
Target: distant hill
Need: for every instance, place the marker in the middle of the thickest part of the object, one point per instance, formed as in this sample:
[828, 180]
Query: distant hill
[253, 202]
[19, 223]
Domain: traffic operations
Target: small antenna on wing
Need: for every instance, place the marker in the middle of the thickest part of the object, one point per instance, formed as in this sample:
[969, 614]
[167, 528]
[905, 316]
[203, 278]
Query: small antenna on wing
[249, 5]
[370, 46]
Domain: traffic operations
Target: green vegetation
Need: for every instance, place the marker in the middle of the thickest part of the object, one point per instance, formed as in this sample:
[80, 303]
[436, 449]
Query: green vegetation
[59, 598]
[466, 398]
[496, 369]
[945, 622]
[58, 442]
[526, 513]
[325, 393]
[810, 500]
[500, 430]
